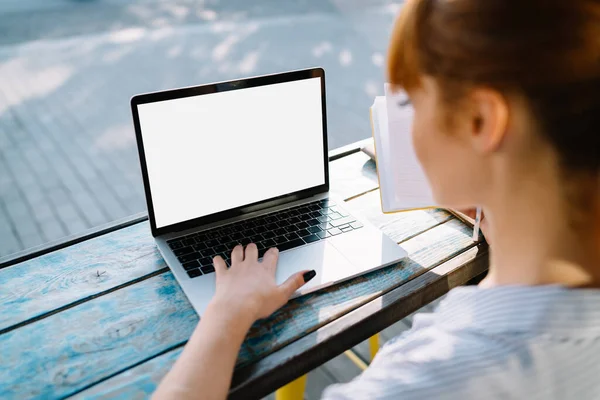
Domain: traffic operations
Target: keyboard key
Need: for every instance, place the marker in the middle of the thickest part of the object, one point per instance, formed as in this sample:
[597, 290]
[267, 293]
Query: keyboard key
[283, 223]
[211, 243]
[227, 230]
[200, 246]
[271, 227]
[334, 231]
[174, 245]
[312, 222]
[334, 216]
[314, 207]
[293, 212]
[270, 219]
[192, 273]
[188, 257]
[236, 236]
[314, 229]
[280, 239]
[322, 218]
[305, 217]
[207, 269]
[346, 228]
[311, 238]
[248, 225]
[325, 225]
[268, 235]
[303, 232]
[229, 246]
[292, 236]
[290, 245]
[291, 228]
[189, 242]
[339, 211]
[190, 265]
[205, 261]
[343, 226]
[315, 214]
[245, 241]
[212, 234]
[260, 229]
[268, 243]
[283, 215]
[303, 210]
[220, 248]
[248, 232]
[323, 234]
[183, 251]
[200, 237]
[256, 238]
[342, 221]
[280, 231]
[224, 239]
[207, 253]
[356, 225]
[294, 220]
[302, 225]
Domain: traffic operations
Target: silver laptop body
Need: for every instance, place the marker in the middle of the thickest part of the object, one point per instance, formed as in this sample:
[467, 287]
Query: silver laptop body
[246, 161]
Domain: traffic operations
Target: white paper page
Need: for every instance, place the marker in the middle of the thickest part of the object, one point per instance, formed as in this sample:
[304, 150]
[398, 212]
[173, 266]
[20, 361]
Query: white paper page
[409, 184]
[380, 135]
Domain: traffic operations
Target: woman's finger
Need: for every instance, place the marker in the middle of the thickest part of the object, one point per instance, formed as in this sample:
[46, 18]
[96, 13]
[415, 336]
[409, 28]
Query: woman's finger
[251, 253]
[237, 254]
[220, 266]
[295, 282]
[270, 258]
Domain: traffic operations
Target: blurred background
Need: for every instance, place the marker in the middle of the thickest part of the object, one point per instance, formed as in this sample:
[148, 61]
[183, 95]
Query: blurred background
[68, 158]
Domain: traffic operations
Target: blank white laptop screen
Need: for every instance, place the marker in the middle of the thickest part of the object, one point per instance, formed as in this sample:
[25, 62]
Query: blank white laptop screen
[214, 152]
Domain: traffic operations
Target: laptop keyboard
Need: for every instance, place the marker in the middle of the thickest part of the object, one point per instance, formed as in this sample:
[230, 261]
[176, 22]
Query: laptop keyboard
[285, 229]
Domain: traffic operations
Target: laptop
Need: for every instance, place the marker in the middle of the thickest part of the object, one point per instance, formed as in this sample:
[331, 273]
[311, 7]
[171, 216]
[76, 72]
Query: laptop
[245, 161]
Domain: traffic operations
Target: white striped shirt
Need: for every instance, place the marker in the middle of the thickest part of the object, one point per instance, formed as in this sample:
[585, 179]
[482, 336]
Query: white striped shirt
[511, 342]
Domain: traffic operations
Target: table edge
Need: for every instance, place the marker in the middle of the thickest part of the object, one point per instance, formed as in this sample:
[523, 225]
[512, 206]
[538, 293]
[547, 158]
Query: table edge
[353, 328]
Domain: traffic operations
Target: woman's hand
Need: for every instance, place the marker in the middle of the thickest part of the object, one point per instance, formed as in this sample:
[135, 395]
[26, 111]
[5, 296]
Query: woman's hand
[248, 288]
[245, 292]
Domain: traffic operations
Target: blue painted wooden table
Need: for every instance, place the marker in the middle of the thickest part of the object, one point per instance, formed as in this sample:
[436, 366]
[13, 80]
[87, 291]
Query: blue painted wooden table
[100, 315]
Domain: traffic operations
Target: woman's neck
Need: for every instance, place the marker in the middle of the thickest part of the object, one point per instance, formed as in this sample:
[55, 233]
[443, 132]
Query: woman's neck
[535, 239]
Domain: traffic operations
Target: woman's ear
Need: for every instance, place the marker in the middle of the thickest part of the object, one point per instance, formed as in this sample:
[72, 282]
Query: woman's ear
[489, 120]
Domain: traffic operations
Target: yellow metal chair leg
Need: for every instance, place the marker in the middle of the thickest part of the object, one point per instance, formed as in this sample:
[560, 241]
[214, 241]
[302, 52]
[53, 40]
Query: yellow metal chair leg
[374, 345]
[292, 391]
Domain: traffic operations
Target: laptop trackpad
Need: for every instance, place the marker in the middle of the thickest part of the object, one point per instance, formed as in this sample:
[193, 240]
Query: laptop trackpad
[330, 264]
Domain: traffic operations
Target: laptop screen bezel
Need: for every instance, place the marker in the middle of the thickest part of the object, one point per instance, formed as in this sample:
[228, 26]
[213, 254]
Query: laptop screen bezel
[216, 88]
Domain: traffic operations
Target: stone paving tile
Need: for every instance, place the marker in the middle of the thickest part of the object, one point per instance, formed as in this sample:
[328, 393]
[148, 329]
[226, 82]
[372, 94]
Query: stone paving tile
[68, 158]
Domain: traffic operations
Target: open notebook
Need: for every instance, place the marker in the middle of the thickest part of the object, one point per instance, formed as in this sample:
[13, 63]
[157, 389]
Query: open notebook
[402, 182]
[401, 179]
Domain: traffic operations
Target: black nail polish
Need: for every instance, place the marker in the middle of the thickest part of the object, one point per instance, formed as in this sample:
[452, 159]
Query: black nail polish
[309, 275]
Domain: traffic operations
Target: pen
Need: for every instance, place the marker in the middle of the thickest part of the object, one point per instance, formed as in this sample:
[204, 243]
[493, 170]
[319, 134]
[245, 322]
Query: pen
[477, 223]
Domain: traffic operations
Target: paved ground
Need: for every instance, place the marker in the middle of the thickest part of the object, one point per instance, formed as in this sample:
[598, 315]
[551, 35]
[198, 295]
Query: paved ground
[68, 159]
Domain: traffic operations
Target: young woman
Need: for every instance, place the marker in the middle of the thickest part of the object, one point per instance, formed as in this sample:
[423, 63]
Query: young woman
[507, 116]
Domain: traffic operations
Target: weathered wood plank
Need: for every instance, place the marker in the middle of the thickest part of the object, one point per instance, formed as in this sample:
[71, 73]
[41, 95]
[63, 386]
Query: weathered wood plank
[307, 313]
[398, 226]
[46, 283]
[354, 175]
[42, 285]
